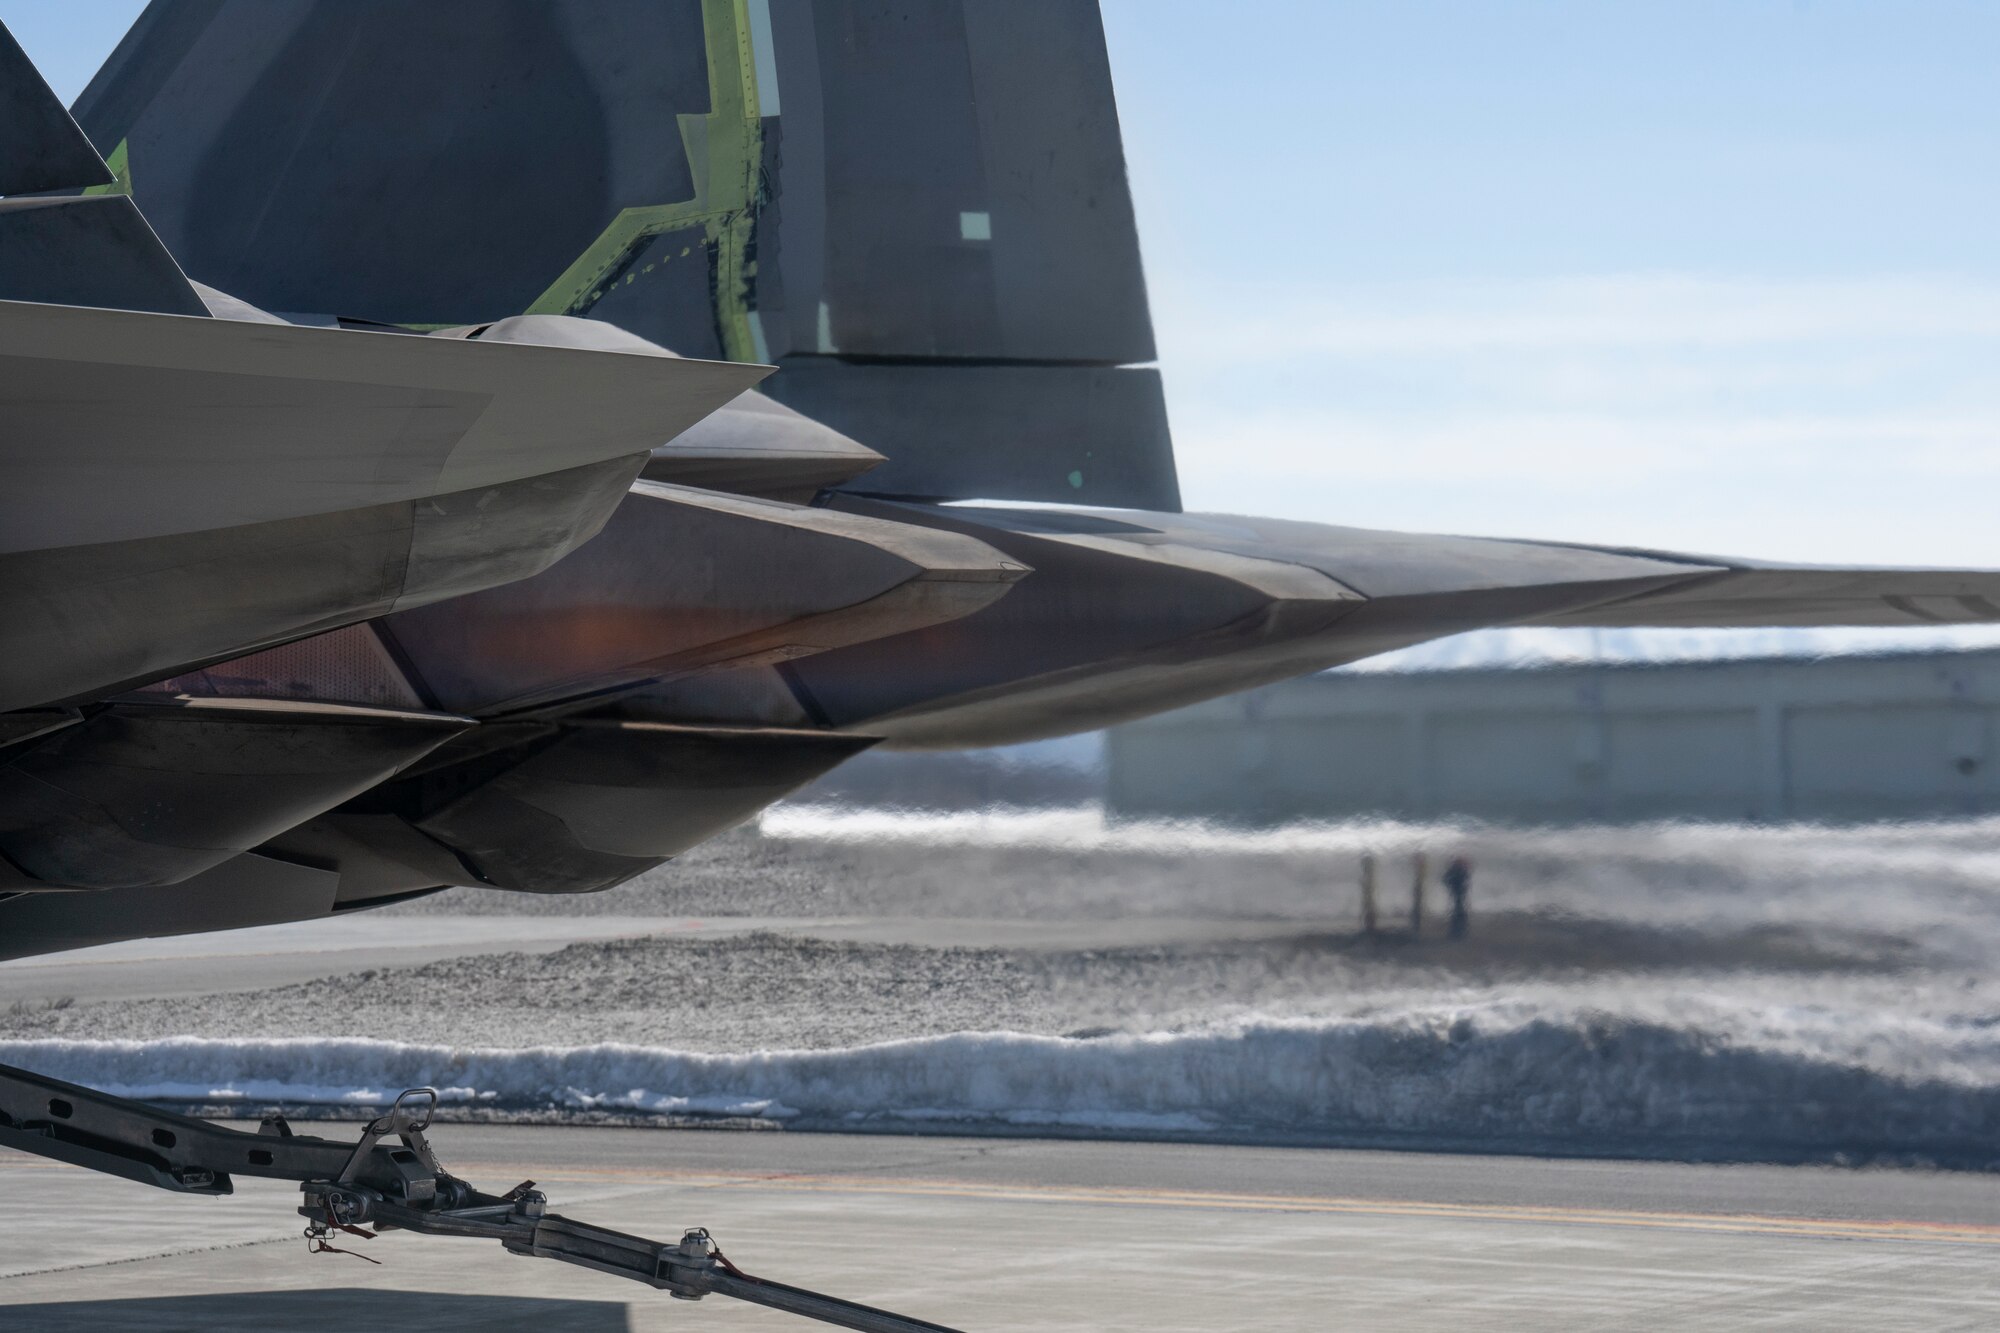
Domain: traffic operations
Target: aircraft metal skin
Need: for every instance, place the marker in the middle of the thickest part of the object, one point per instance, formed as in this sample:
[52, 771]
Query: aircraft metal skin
[751, 445]
[91, 251]
[918, 210]
[400, 513]
[248, 890]
[684, 581]
[459, 573]
[592, 803]
[250, 482]
[46, 150]
[143, 794]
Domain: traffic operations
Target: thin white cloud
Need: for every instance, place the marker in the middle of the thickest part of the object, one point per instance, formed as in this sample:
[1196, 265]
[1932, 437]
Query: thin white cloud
[1631, 311]
[1577, 448]
[1852, 419]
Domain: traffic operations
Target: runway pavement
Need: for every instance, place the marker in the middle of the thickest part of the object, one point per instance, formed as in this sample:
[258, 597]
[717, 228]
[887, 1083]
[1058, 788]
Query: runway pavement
[982, 1234]
[1028, 1234]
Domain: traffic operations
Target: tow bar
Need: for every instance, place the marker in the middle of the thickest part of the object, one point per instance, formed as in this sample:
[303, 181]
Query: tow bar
[389, 1179]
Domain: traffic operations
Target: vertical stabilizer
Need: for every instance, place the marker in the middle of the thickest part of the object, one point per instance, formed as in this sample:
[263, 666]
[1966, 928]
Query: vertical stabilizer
[41, 148]
[91, 249]
[918, 208]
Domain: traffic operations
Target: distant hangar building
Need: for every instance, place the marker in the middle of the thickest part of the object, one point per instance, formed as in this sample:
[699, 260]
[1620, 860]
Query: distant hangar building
[1893, 736]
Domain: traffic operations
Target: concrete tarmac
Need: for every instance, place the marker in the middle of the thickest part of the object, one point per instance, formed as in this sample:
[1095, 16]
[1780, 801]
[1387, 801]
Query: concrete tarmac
[988, 1234]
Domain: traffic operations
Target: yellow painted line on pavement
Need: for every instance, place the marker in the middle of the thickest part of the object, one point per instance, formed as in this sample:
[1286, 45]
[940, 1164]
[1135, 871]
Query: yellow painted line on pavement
[1821, 1228]
[1753, 1224]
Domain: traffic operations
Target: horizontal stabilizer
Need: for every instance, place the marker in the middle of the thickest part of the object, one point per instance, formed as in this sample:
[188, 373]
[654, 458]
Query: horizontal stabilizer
[1128, 613]
[41, 148]
[683, 581]
[1804, 596]
[1115, 615]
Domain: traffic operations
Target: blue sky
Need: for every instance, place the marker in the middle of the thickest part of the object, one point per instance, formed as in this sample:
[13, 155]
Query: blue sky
[68, 39]
[1699, 275]
[1709, 276]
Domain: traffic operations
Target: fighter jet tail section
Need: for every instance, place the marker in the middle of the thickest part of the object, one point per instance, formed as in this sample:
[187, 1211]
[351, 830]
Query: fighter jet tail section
[249, 483]
[94, 250]
[1752, 593]
[920, 211]
[41, 148]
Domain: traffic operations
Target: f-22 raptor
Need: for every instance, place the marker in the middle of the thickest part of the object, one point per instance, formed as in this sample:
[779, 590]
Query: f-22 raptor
[399, 491]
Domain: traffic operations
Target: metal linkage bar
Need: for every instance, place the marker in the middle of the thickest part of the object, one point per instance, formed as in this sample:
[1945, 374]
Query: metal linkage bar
[689, 1270]
[87, 1128]
[389, 1179]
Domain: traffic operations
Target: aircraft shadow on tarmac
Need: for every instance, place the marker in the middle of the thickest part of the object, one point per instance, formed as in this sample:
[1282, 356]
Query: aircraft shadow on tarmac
[340, 1307]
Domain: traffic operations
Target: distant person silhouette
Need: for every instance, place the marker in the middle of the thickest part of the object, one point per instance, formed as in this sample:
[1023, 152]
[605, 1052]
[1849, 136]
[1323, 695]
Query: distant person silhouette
[1458, 882]
[1368, 922]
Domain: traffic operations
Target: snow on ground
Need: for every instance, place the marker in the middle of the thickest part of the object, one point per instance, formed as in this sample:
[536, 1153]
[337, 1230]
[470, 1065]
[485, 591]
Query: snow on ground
[1659, 1079]
[1679, 990]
